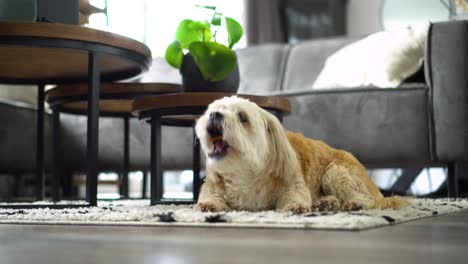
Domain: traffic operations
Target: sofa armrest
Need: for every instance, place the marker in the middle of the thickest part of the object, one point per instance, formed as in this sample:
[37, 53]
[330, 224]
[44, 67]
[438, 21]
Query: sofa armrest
[446, 70]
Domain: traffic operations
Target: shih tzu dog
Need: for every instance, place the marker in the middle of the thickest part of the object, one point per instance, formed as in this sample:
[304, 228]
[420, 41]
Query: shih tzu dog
[253, 164]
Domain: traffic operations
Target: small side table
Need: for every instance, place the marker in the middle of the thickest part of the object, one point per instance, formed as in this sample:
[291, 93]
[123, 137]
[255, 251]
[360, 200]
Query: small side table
[115, 101]
[54, 53]
[183, 110]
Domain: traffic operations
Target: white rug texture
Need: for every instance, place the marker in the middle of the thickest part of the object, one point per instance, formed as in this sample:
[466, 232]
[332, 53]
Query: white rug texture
[139, 213]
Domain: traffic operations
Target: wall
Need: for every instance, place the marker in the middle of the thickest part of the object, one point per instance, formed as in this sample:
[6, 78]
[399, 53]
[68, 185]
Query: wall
[363, 17]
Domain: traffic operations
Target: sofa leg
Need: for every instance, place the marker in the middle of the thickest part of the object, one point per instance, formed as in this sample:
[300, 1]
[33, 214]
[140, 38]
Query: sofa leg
[67, 183]
[452, 179]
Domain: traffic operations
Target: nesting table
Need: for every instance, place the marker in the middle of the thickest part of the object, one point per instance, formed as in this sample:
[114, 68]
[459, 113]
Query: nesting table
[53, 53]
[182, 110]
[115, 101]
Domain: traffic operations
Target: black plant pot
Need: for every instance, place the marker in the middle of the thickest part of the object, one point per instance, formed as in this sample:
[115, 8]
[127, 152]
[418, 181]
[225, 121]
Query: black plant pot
[193, 82]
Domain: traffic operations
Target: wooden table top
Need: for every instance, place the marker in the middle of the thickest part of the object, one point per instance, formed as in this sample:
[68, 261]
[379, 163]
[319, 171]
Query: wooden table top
[114, 97]
[173, 101]
[34, 52]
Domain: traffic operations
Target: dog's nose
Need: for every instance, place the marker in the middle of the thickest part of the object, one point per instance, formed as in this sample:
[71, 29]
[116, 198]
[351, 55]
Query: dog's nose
[216, 116]
[215, 127]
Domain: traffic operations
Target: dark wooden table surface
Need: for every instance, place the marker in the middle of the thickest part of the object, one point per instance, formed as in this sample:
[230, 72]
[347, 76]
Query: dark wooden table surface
[115, 98]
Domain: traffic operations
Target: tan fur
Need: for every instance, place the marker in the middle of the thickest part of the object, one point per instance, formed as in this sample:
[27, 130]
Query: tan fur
[268, 168]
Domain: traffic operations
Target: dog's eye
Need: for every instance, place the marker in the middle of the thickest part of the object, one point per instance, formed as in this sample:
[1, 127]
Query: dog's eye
[243, 118]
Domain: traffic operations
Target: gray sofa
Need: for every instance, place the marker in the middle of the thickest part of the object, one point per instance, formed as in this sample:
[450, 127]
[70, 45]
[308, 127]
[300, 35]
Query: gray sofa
[418, 123]
[421, 123]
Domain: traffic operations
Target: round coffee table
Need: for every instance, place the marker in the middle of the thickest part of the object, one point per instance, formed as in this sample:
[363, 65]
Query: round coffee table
[54, 53]
[182, 110]
[115, 101]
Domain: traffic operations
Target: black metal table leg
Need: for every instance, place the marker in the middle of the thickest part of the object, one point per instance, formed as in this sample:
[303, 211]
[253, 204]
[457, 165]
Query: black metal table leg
[406, 179]
[40, 143]
[196, 166]
[126, 158]
[143, 184]
[156, 187]
[56, 161]
[92, 146]
[452, 179]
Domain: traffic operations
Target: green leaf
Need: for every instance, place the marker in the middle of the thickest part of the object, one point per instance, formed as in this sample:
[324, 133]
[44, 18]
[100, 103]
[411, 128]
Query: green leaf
[174, 54]
[214, 60]
[234, 30]
[216, 20]
[189, 31]
[207, 7]
[203, 29]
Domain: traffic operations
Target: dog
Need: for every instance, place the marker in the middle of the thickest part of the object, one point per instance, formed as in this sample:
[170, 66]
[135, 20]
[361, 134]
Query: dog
[253, 164]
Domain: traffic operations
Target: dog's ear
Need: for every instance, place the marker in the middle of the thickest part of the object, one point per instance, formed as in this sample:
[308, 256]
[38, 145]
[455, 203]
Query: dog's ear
[273, 126]
[282, 155]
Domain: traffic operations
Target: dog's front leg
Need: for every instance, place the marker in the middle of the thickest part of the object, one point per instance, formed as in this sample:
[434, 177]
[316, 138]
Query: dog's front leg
[210, 199]
[296, 198]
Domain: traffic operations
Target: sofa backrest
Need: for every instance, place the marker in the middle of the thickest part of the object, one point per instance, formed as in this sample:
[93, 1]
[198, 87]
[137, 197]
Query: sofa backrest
[306, 60]
[267, 68]
[261, 68]
[280, 67]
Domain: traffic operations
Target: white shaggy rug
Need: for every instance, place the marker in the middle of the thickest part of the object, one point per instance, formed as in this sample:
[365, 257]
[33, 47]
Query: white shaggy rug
[139, 213]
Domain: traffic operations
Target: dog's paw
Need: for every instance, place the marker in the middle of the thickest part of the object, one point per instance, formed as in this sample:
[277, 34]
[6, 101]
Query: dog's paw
[351, 206]
[208, 207]
[326, 205]
[296, 209]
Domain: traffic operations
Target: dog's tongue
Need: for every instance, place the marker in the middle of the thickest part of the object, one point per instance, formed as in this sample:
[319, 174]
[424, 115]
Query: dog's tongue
[218, 145]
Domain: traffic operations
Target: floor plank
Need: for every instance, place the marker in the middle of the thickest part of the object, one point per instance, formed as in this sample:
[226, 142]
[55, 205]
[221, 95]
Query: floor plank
[441, 239]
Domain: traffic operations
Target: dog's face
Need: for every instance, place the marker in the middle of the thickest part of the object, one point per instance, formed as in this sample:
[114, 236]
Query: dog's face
[234, 130]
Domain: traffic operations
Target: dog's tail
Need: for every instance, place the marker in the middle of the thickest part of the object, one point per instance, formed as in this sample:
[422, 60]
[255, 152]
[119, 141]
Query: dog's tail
[393, 202]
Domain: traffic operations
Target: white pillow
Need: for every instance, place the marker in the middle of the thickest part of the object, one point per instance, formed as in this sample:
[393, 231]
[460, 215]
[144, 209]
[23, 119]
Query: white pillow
[383, 59]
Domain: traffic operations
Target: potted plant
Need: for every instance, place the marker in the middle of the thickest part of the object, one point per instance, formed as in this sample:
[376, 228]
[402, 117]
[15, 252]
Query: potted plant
[205, 64]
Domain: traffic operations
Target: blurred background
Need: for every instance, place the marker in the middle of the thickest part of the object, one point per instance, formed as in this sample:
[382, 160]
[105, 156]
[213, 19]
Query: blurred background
[153, 22]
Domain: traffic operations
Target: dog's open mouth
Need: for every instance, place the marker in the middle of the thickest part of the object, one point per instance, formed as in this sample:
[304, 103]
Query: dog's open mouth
[220, 146]
[220, 149]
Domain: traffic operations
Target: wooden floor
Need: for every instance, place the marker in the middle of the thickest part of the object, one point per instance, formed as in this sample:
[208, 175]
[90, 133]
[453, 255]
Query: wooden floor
[442, 239]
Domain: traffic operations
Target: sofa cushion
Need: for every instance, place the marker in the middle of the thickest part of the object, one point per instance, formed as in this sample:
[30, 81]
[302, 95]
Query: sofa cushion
[377, 125]
[306, 60]
[383, 59]
[261, 68]
[176, 144]
[18, 138]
